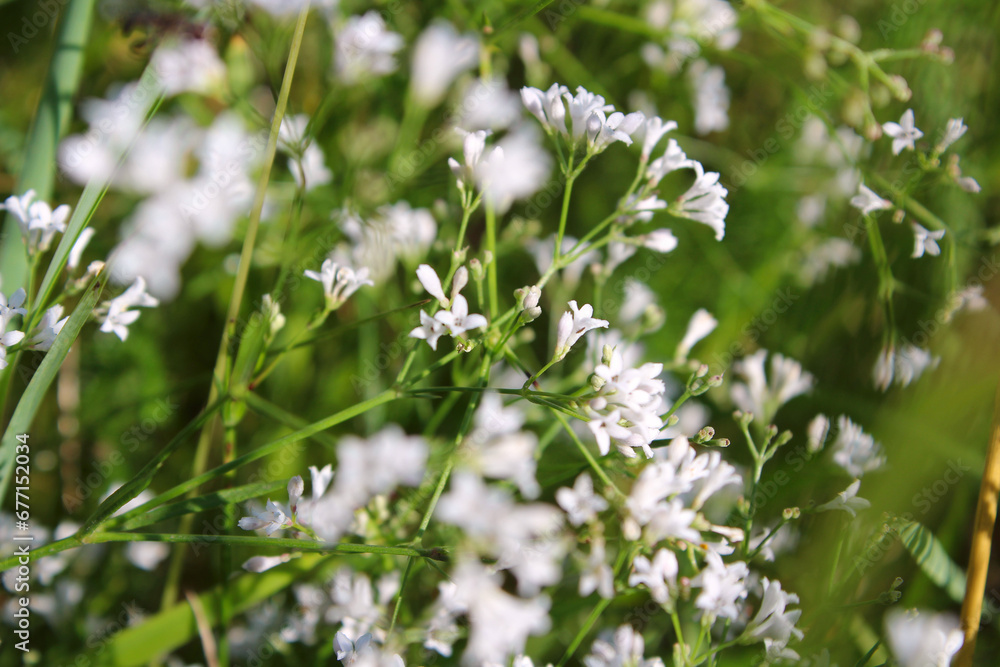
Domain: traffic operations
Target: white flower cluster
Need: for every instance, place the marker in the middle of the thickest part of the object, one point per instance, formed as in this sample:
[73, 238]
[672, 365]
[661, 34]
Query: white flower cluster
[587, 113]
[628, 406]
[454, 319]
[38, 222]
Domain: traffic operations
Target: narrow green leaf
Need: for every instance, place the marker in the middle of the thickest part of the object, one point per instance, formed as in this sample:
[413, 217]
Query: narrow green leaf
[192, 505]
[932, 558]
[142, 479]
[27, 406]
[51, 121]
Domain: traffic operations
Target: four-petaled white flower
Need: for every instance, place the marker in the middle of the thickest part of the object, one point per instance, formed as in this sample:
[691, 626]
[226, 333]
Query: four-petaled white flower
[46, 331]
[580, 502]
[7, 338]
[854, 450]
[272, 518]
[10, 308]
[573, 325]
[847, 500]
[903, 133]
[658, 575]
[722, 586]
[456, 320]
[430, 329]
[869, 202]
[349, 651]
[925, 241]
[117, 317]
[700, 325]
[602, 131]
[339, 282]
[772, 623]
[952, 133]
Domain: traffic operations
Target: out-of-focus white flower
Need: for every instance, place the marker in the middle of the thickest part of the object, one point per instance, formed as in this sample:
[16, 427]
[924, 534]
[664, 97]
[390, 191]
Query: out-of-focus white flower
[489, 105]
[597, 574]
[573, 325]
[581, 503]
[925, 241]
[440, 55]
[911, 362]
[833, 252]
[147, 555]
[954, 131]
[701, 324]
[76, 252]
[516, 168]
[970, 298]
[189, 65]
[847, 500]
[817, 431]
[904, 133]
[38, 222]
[624, 647]
[12, 307]
[660, 240]
[658, 575]
[116, 314]
[397, 232]
[258, 564]
[885, 368]
[271, 519]
[869, 202]
[339, 282]
[473, 146]
[854, 450]
[365, 48]
[711, 97]
[772, 623]
[7, 339]
[46, 331]
[722, 586]
[923, 639]
[762, 395]
[705, 201]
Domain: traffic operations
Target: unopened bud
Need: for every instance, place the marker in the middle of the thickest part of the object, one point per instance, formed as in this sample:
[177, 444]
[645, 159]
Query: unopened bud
[704, 435]
[790, 513]
[476, 268]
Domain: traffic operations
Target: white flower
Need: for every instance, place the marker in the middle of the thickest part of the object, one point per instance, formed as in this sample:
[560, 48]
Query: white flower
[190, 65]
[339, 282]
[923, 639]
[76, 252]
[817, 431]
[473, 146]
[624, 649]
[658, 575]
[581, 503]
[46, 331]
[952, 133]
[671, 520]
[147, 555]
[903, 133]
[440, 55]
[573, 325]
[547, 106]
[654, 129]
[868, 202]
[701, 324]
[885, 368]
[310, 170]
[489, 105]
[711, 97]
[11, 308]
[722, 587]
[598, 575]
[660, 240]
[430, 329]
[763, 396]
[258, 564]
[628, 406]
[515, 169]
[705, 201]
[348, 651]
[911, 362]
[365, 48]
[37, 221]
[582, 106]
[7, 339]
[673, 158]
[925, 241]
[847, 500]
[772, 622]
[970, 298]
[854, 450]
[270, 519]
[118, 317]
[602, 131]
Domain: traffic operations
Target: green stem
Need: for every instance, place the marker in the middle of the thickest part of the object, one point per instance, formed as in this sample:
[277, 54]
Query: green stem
[491, 247]
[587, 455]
[564, 213]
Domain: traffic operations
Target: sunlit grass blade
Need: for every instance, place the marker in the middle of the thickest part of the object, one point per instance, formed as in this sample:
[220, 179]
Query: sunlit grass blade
[27, 406]
[933, 559]
[50, 124]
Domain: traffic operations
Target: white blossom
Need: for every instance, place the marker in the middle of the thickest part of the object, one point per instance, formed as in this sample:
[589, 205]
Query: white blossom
[76, 252]
[911, 362]
[869, 202]
[847, 500]
[658, 575]
[817, 431]
[764, 395]
[339, 282]
[854, 450]
[954, 131]
[773, 623]
[365, 48]
[705, 201]
[722, 586]
[597, 574]
[189, 65]
[624, 648]
[925, 240]
[660, 240]
[547, 106]
[904, 133]
[45, 332]
[573, 325]
[711, 97]
[580, 502]
[440, 55]
[923, 639]
[38, 222]
[116, 314]
[653, 130]
[700, 325]
[272, 518]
